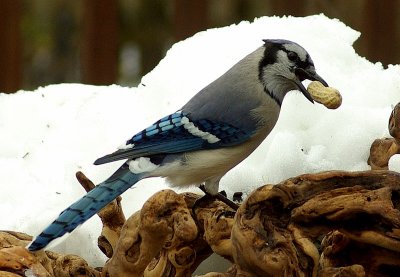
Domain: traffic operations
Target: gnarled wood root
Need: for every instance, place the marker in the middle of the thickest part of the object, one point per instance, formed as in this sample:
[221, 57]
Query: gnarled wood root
[16, 260]
[383, 149]
[279, 229]
[163, 228]
[327, 224]
[295, 228]
[166, 239]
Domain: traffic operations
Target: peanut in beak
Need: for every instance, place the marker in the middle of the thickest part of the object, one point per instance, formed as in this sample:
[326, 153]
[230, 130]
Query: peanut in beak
[327, 96]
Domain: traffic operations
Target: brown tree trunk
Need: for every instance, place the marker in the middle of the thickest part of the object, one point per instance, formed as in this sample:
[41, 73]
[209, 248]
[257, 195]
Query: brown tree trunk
[190, 18]
[380, 31]
[295, 8]
[100, 42]
[10, 46]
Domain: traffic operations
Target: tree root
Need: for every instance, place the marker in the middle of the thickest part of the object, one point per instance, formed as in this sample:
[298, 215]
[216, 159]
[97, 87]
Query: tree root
[384, 148]
[327, 224]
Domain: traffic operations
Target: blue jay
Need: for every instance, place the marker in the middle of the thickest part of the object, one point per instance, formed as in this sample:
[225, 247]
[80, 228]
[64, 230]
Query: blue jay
[217, 129]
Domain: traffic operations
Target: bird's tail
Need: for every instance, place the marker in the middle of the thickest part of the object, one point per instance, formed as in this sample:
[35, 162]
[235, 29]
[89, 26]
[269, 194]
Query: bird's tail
[87, 206]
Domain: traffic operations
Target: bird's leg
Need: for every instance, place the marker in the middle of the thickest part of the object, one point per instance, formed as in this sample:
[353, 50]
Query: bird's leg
[219, 197]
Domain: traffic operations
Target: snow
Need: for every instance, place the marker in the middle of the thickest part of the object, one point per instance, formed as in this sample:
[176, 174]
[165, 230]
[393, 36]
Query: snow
[50, 133]
[394, 163]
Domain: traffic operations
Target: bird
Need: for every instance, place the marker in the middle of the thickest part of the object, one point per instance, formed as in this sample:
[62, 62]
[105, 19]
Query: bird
[199, 143]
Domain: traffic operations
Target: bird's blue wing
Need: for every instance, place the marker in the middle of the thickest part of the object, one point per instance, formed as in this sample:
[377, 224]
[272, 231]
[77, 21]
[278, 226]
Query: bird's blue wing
[177, 133]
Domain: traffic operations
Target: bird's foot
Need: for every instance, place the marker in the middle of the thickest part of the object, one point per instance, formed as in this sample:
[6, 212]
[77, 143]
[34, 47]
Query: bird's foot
[219, 196]
[229, 214]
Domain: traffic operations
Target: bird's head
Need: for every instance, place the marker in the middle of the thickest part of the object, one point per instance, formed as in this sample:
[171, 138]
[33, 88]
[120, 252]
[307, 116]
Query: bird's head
[283, 67]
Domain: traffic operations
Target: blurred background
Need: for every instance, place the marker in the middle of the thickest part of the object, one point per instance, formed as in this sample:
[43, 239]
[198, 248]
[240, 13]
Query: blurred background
[106, 42]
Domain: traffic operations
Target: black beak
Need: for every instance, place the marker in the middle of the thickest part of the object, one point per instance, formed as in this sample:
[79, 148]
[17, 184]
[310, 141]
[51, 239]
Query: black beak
[311, 75]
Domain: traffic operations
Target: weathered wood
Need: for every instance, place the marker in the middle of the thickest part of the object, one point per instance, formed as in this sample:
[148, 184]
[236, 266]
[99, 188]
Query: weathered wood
[16, 260]
[285, 222]
[156, 240]
[326, 224]
[384, 148]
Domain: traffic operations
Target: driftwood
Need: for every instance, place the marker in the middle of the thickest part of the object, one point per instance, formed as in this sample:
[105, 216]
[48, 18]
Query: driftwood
[164, 228]
[326, 224]
[290, 224]
[310, 225]
[16, 260]
[384, 148]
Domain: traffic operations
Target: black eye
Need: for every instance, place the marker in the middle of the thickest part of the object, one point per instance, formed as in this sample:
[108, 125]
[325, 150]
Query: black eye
[292, 56]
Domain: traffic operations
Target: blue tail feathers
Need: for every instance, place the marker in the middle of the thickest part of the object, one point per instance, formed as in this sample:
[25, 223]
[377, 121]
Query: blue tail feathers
[86, 207]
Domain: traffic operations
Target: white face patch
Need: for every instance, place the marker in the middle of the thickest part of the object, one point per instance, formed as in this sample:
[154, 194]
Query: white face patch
[141, 165]
[278, 79]
[297, 49]
[189, 126]
[283, 61]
